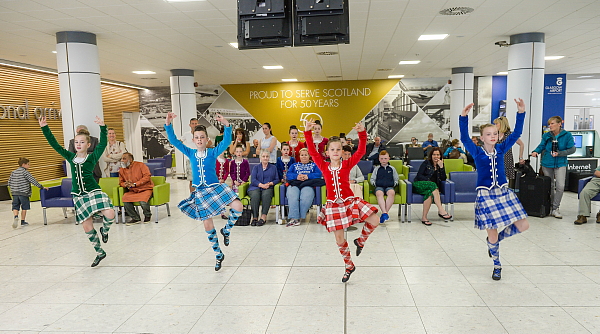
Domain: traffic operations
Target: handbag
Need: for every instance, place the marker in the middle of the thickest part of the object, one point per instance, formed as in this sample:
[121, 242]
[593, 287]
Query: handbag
[244, 219]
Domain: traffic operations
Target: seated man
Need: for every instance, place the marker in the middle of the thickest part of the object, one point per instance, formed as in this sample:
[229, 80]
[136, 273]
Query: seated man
[588, 192]
[135, 177]
[373, 150]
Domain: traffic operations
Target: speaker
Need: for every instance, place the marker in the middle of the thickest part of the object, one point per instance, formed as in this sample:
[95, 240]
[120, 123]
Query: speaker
[264, 24]
[589, 151]
[321, 22]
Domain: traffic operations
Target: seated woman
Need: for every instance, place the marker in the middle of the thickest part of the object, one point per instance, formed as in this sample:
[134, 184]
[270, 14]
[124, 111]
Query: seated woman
[428, 181]
[302, 177]
[262, 187]
[459, 154]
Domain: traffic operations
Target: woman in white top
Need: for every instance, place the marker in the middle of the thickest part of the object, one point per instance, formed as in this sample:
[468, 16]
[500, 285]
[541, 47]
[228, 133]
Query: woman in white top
[111, 158]
[269, 143]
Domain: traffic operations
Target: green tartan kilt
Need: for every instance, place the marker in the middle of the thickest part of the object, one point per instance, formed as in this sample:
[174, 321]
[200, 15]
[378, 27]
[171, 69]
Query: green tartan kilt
[424, 188]
[88, 204]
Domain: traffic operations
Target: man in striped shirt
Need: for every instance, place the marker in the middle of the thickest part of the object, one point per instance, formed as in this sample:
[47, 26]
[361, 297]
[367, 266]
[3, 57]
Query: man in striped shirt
[20, 187]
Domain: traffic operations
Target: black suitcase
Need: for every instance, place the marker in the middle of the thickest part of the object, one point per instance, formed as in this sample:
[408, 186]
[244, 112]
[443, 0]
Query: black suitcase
[534, 193]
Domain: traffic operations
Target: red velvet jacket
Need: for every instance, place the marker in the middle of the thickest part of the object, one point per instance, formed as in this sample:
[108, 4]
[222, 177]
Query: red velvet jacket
[337, 181]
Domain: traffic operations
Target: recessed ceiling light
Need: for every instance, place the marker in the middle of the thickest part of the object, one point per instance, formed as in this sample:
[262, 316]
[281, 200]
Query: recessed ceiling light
[275, 67]
[233, 45]
[409, 62]
[289, 80]
[143, 72]
[327, 53]
[432, 37]
[456, 11]
[53, 51]
[396, 76]
[585, 76]
[502, 73]
[553, 57]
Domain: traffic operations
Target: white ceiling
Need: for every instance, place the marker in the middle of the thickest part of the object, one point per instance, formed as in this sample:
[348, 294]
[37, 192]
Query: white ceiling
[159, 36]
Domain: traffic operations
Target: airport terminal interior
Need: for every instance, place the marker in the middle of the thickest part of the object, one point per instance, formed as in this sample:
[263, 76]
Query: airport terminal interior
[403, 69]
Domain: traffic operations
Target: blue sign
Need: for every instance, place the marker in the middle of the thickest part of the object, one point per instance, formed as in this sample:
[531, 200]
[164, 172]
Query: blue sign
[554, 96]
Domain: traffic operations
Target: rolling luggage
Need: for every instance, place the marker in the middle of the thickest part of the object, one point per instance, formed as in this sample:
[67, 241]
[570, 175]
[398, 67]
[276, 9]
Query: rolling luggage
[534, 192]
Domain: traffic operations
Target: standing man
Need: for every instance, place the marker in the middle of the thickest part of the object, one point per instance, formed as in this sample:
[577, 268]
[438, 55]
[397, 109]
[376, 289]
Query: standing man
[429, 143]
[373, 150]
[254, 149]
[135, 177]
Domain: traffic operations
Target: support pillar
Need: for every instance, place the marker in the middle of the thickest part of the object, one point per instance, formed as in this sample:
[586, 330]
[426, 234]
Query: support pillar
[526, 66]
[183, 104]
[461, 94]
[79, 81]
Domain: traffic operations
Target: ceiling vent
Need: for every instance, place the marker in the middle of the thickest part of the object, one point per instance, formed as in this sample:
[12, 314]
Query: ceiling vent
[148, 78]
[327, 53]
[334, 76]
[456, 11]
[384, 69]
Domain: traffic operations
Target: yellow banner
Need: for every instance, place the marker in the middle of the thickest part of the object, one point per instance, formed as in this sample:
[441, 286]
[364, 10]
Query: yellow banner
[338, 104]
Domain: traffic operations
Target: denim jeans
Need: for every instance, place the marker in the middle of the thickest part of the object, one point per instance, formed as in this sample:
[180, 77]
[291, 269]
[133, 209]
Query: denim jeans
[299, 201]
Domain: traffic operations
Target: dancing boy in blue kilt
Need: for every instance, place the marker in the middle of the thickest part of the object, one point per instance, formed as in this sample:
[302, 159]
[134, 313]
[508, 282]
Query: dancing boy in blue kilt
[210, 196]
[496, 206]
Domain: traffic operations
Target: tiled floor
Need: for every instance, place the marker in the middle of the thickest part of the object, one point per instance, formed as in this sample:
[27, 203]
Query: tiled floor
[159, 278]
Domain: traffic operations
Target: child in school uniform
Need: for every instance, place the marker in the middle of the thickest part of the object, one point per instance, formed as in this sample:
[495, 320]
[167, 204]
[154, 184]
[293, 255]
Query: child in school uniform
[239, 168]
[284, 162]
[496, 206]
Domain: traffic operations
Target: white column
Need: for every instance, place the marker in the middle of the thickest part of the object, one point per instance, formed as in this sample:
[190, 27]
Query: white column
[183, 103]
[526, 80]
[79, 81]
[461, 94]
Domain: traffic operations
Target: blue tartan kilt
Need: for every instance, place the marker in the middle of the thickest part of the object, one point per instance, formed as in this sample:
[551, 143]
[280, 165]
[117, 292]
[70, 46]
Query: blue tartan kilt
[207, 202]
[496, 208]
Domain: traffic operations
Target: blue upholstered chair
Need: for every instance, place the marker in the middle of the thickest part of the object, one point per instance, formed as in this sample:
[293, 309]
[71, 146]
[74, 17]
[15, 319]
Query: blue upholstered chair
[465, 184]
[582, 183]
[57, 197]
[446, 195]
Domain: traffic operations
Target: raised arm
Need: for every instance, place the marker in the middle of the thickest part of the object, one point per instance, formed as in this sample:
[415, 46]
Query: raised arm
[465, 137]
[99, 150]
[514, 136]
[173, 138]
[53, 142]
[362, 145]
[310, 145]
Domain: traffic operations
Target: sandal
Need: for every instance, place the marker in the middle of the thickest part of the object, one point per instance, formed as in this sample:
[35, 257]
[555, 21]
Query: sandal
[426, 222]
[447, 216]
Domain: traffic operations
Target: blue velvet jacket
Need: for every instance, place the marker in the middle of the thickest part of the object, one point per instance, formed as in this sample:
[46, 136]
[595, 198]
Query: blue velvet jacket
[204, 164]
[490, 166]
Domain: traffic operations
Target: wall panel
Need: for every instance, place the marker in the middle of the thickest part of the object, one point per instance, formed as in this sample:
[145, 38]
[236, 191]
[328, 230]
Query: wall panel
[23, 138]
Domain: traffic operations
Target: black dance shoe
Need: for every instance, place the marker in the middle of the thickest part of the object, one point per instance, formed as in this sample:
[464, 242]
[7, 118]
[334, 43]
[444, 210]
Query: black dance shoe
[219, 261]
[225, 238]
[497, 274]
[98, 259]
[104, 235]
[358, 248]
[347, 274]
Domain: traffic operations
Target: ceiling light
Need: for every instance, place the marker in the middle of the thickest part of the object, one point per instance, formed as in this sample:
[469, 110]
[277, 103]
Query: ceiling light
[143, 72]
[432, 37]
[585, 76]
[327, 53]
[553, 57]
[233, 45]
[396, 76]
[502, 73]
[53, 51]
[289, 80]
[456, 11]
[275, 67]
[409, 62]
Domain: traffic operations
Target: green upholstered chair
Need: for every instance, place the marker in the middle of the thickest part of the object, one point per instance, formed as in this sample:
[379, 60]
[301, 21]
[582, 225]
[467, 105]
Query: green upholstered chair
[110, 186]
[245, 197]
[456, 165]
[399, 197]
[161, 195]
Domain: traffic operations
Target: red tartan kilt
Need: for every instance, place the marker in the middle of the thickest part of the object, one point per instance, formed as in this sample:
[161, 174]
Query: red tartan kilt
[337, 216]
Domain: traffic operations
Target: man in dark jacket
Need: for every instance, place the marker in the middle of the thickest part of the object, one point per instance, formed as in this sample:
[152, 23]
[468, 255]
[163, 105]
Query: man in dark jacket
[373, 150]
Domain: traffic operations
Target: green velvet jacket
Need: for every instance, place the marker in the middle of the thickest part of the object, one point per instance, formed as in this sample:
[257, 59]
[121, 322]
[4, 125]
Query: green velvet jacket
[82, 173]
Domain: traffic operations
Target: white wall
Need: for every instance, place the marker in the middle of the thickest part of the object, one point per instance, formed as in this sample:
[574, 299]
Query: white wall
[582, 93]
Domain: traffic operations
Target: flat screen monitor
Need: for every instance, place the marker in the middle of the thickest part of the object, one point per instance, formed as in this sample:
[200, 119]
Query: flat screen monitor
[578, 140]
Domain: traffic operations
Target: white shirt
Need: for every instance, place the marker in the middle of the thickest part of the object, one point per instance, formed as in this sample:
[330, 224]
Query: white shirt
[188, 140]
